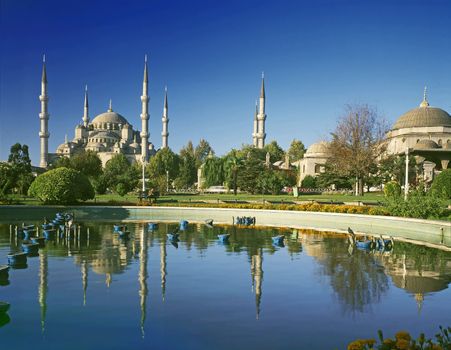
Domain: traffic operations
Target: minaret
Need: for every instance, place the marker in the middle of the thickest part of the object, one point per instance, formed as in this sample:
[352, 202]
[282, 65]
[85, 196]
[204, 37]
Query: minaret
[44, 118]
[86, 109]
[145, 116]
[165, 121]
[261, 117]
[254, 134]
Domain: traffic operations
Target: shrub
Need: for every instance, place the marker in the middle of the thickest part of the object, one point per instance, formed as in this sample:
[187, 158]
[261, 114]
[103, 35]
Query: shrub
[308, 182]
[419, 204]
[61, 186]
[392, 189]
[121, 189]
[442, 184]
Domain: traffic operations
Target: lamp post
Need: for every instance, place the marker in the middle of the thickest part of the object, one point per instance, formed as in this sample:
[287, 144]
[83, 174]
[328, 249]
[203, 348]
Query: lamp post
[167, 181]
[144, 175]
[406, 184]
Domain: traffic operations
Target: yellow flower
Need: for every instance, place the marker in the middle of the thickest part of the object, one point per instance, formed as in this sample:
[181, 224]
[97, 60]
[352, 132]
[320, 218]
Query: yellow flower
[402, 344]
[403, 335]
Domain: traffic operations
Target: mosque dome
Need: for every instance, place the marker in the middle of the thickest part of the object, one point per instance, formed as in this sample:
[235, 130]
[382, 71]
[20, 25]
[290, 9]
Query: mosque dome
[318, 148]
[423, 116]
[109, 117]
[426, 144]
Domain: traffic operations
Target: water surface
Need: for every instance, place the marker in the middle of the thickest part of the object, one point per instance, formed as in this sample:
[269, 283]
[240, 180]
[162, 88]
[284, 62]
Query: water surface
[97, 291]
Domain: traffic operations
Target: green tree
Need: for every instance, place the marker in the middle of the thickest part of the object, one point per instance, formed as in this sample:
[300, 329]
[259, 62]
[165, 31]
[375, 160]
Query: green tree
[249, 171]
[309, 182]
[441, 185]
[21, 176]
[357, 143]
[213, 172]
[61, 186]
[296, 150]
[119, 170]
[164, 161]
[187, 174]
[232, 166]
[87, 163]
[202, 151]
[6, 179]
[276, 152]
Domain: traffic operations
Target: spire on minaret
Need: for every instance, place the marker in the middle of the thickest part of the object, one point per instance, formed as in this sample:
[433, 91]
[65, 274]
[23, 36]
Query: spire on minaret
[44, 71]
[44, 118]
[255, 129]
[165, 121]
[110, 105]
[86, 109]
[425, 102]
[261, 117]
[145, 116]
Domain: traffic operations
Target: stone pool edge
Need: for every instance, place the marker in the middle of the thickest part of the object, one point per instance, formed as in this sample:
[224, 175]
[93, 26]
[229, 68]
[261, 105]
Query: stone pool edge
[427, 232]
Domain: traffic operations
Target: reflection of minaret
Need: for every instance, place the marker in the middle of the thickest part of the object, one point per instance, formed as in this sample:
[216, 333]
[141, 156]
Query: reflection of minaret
[84, 279]
[257, 278]
[163, 268]
[108, 279]
[419, 297]
[43, 271]
[143, 278]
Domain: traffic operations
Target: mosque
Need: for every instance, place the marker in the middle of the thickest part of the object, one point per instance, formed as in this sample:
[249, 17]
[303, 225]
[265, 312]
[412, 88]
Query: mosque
[108, 134]
[424, 132]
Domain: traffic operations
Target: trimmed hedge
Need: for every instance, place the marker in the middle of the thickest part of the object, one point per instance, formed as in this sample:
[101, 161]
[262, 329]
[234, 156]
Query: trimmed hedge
[61, 186]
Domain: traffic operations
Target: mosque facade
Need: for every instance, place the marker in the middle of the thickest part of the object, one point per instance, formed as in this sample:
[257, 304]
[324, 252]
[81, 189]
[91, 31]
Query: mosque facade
[107, 134]
[424, 132]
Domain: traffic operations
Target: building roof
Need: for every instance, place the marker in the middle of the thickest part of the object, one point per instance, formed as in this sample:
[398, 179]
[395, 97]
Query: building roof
[109, 117]
[319, 147]
[423, 116]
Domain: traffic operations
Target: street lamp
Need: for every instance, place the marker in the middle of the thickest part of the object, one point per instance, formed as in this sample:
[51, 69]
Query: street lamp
[167, 181]
[144, 175]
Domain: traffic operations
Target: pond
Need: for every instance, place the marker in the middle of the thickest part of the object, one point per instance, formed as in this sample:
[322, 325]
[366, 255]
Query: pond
[97, 291]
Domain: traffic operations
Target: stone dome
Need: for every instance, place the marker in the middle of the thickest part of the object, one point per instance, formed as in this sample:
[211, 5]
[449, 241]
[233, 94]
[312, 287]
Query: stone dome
[109, 117]
[319, 147]
[426, 144]
[423, 116]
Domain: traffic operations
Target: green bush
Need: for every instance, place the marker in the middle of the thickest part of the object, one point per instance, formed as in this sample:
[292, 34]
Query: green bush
[61, 186]
[442, 184]
[419, 204]
[308, 182]
[392, 189]
[121, 189]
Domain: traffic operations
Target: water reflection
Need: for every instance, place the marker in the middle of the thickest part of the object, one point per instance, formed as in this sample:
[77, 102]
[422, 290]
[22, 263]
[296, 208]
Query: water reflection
[358, 279]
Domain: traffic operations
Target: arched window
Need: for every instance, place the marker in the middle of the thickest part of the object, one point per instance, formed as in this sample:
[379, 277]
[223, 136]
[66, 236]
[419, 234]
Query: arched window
[439, 142]
[317, 168]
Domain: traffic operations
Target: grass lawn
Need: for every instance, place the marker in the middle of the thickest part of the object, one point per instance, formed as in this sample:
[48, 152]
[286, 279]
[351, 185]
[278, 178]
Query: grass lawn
[132, 198]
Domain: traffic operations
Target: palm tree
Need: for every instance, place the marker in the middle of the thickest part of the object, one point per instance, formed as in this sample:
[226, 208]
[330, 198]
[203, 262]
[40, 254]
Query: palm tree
[232, 166]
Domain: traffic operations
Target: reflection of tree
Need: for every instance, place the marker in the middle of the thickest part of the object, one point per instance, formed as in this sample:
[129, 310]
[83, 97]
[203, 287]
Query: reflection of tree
[356, 280]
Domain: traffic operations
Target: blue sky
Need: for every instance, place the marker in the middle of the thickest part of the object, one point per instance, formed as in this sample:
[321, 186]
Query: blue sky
[317, 56]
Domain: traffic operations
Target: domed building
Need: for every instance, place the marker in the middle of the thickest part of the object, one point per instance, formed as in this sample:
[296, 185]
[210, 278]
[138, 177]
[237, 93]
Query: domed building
[314, 160]
[108, 134]
[421, 123]
[425, 132]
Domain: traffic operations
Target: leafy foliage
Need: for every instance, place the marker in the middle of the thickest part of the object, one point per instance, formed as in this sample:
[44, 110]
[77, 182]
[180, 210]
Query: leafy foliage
[296, 150]
[164, 161]
[118, 170]
[19, 174]
[419, 204]
[276, 152]
[442, 184]
[357, 143]
[61, 186]
[213, 172]
[308, 182]
[202, 151]
[392, 189]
